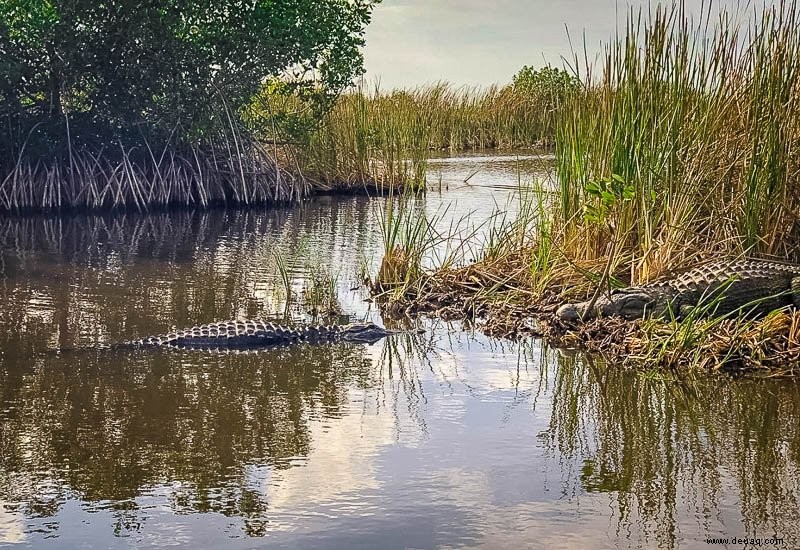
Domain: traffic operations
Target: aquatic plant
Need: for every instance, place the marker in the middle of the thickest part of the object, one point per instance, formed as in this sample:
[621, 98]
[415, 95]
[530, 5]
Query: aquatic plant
[407, 234]
[373, 135]
[698, 117]
[320, 293]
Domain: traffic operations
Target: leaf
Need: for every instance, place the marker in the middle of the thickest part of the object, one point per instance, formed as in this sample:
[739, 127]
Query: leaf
[593, 188]
[629, 192]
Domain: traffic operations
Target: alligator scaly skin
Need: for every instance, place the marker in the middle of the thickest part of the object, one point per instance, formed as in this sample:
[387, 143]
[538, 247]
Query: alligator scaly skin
[259, 334]
[749, 287]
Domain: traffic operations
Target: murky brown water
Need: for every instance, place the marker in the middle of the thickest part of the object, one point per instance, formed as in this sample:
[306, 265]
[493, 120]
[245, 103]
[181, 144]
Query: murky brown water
[448, 439]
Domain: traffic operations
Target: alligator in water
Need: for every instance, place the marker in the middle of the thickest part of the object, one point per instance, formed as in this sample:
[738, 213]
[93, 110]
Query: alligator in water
[260, 334]
[751, 288]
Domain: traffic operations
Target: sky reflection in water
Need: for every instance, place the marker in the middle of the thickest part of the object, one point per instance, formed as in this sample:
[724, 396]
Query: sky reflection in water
[444, 439]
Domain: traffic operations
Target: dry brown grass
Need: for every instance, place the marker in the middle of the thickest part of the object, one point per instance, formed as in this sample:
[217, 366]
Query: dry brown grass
[141, 179]
[498, 296]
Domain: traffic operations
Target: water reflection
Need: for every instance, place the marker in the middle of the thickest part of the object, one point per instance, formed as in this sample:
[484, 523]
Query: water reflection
[104, 426]
[91, 280]
[680, 458]
[443, 439]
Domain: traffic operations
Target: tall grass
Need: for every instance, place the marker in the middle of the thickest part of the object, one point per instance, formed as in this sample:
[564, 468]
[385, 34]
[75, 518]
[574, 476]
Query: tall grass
[682, 145]
[700, 119]
[372, 135]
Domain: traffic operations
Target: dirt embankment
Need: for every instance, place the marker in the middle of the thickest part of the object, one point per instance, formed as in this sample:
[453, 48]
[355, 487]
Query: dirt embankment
[501, 302]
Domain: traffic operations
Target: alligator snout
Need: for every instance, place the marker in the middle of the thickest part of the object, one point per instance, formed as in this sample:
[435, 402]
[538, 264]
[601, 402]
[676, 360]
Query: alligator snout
[628, 304]
[570, 313]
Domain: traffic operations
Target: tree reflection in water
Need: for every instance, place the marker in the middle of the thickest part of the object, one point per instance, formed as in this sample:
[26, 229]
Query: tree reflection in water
[244, 435]
[107, 426]
[668, 450]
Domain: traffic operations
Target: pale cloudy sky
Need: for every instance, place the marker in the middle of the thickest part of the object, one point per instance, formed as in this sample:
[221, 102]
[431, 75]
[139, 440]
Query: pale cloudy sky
[412, 42]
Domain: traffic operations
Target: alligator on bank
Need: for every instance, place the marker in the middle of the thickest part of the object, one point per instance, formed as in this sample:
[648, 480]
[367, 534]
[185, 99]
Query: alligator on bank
[253, 334]
[751, 288]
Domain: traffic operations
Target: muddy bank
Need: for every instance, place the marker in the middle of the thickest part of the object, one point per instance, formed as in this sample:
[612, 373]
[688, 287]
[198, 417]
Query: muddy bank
[499, 301]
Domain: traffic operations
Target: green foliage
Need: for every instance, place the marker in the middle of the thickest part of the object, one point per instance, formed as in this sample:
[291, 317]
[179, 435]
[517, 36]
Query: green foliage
[287, 112]
[372, 134]
[609, 194]
[119, 70]
[700, 117]
[547, 86]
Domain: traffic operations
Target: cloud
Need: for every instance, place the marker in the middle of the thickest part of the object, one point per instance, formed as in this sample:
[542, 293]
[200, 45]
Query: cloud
[412, 42]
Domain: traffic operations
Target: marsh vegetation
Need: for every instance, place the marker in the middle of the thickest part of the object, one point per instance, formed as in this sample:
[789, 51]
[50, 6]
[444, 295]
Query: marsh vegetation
[676, 144]
[679, 146]
[117, 105]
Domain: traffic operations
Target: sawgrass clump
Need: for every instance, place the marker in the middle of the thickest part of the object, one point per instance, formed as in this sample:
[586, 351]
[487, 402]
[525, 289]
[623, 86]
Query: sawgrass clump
[684, 142]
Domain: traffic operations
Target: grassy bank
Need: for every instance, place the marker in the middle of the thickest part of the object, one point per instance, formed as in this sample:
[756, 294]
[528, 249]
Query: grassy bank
[682, 145]
[372, 135]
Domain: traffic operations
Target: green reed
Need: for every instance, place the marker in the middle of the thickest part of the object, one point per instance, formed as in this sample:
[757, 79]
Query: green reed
[374, 135]
[699, 118]
[285, 277]
[408, 234]
[417, 244]
[320, 293]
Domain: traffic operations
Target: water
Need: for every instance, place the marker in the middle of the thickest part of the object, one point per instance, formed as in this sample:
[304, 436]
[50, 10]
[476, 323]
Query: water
[446, 439]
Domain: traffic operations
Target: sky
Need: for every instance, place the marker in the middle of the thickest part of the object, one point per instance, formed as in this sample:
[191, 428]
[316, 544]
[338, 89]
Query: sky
[480, 42]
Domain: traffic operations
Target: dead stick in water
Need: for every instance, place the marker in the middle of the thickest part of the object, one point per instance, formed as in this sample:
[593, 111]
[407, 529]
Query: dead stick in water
[472, 174]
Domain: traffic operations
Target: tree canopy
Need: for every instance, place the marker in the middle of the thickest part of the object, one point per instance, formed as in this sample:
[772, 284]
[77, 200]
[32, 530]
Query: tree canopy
[106, 69]
[548, 85]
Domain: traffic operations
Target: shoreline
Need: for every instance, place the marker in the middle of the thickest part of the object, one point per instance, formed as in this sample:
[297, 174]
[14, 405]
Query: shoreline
[315, 189]
[765, 347]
